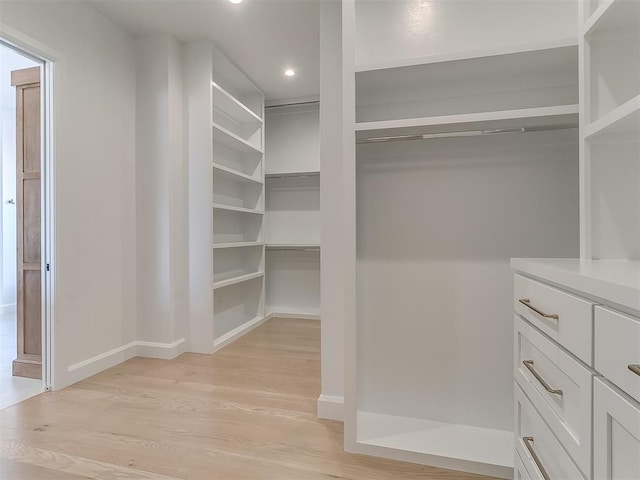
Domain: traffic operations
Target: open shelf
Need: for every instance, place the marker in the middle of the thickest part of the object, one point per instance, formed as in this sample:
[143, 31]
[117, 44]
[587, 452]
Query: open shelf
[231, 208]
[235, 174]
[217, 246]
[613, 15]
[232, 107]
[504, 82]
[293, 246]
[484, 446]
[624, 119]
[560, 115]
[233, 141]
[292, 174]
[236, 280]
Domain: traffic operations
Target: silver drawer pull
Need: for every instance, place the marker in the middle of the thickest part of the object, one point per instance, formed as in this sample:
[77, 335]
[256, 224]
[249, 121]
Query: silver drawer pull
[528, 442]
[634, 368]
[527, 303]
[529, 365]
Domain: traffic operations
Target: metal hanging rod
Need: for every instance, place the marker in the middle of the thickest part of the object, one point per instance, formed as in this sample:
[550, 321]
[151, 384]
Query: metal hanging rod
[312, 102]
[464, 133]
[293, 249]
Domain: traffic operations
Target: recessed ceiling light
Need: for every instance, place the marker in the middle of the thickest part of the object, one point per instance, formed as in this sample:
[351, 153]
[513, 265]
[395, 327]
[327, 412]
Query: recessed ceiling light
[290, 72]
[235, 2]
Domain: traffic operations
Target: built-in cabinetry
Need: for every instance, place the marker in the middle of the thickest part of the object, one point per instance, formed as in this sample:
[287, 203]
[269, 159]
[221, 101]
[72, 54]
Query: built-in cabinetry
[459, 158]
[226, 199]
[292, 216]
[577, 368]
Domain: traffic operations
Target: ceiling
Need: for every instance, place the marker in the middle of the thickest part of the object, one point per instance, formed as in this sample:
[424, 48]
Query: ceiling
[262, 37]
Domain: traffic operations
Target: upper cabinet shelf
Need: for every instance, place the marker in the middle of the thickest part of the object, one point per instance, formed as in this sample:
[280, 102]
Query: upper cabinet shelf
[502, 81]
[563, 116]
[613, 16]
[230, 106]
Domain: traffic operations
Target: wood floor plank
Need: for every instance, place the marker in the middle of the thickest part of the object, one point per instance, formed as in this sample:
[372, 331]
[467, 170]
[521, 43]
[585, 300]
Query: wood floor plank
[246, 412]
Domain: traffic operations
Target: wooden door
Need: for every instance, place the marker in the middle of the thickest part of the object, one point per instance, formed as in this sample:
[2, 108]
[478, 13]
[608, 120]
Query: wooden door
[29, 303]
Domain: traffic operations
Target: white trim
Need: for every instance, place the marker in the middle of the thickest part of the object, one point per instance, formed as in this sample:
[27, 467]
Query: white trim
[238, 332]
[301, 315]
[47, 56]
[165, 351]
[7, 308]
[91, 366]
[331, 407]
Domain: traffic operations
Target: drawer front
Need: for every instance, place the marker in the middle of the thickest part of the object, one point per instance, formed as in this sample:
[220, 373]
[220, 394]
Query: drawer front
[540, 366]
[616, 441]
[618, 349]
[519, 470]
[536, 444]
[564, 317]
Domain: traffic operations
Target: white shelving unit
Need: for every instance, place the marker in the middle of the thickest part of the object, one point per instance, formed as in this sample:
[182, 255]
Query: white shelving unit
[462, 158]
[292, 217]
[226, 144]
[610, 133]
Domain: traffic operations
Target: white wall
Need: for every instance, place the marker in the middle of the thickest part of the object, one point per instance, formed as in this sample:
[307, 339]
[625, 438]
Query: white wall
[9, 60]
[402, 29]
[331, 206]
[94, 262]
[162, 257]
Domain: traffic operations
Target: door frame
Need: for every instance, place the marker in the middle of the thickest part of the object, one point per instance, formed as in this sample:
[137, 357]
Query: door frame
[46, 58]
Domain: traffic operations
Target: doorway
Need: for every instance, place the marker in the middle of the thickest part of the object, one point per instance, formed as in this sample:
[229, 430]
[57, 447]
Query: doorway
[21, 186]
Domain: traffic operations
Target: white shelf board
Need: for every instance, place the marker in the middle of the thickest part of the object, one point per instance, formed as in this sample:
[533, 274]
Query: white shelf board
[467, 55]
[235, 174]
[617, 281]
[233, 108]
[525, 117]
[230, 208]
[291, 174]
[233, 141]
[623, 119]
[293, 246]
[449, 442]
[237, 332]
[217, 246]
[236, 280]
[613, 15]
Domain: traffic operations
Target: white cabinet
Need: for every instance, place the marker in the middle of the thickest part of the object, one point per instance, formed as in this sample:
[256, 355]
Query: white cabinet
[616, 429]
[595, 423]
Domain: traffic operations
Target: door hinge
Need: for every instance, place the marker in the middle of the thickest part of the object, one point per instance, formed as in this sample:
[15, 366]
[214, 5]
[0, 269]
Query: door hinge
[48, 267]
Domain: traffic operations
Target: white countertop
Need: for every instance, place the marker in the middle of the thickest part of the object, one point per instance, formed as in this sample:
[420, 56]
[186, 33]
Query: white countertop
[616, 281]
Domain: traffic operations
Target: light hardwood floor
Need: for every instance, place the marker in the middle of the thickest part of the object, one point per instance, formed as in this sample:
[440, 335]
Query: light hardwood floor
[246, 412]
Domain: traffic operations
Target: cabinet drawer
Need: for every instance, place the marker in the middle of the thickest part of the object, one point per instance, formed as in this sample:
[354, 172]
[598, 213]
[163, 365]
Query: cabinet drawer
[519, 470]
[616, 429]
[537, 445]
[618, 349]
[559, 387]
[564, 317]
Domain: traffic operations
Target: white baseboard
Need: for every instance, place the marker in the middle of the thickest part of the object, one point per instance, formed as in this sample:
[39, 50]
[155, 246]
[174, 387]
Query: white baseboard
[287, 314]
[331, 407]
[8, 308]
[165, 351]
[236, 333]
[92, 366]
